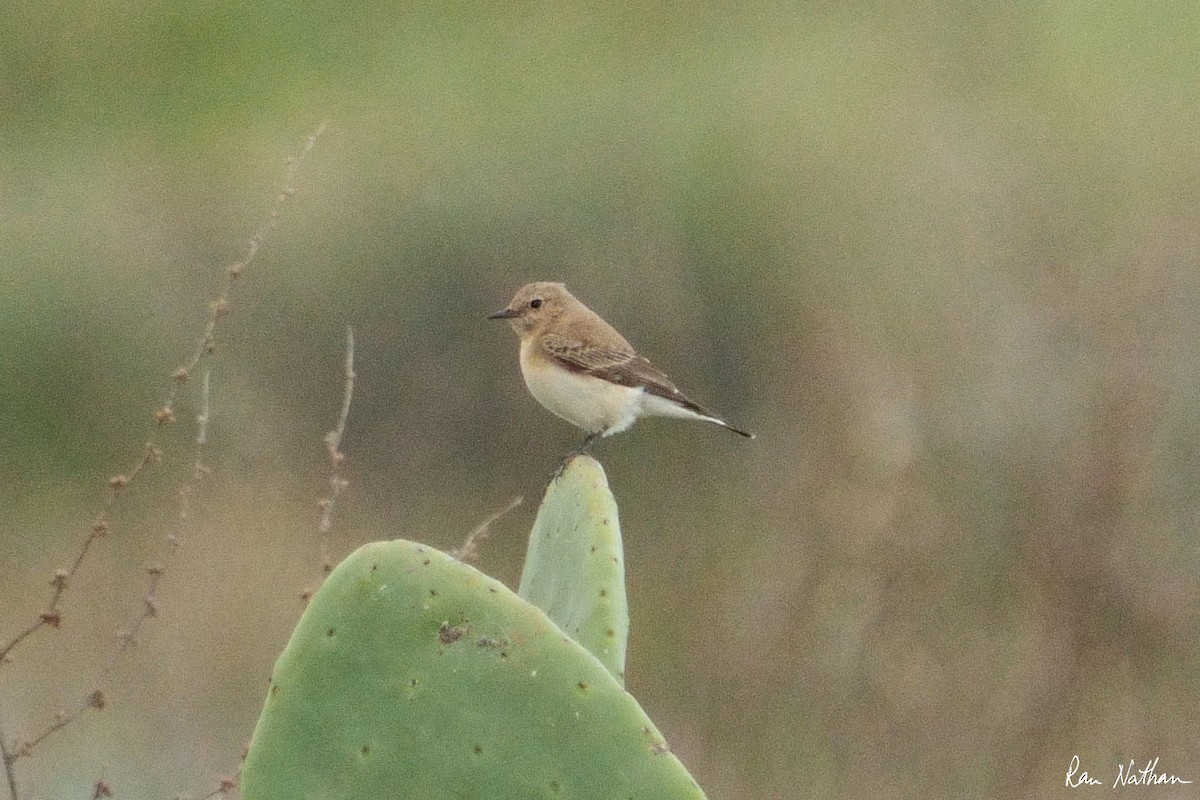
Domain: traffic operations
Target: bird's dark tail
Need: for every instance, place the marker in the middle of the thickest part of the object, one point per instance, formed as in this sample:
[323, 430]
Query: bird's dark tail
[729, 427]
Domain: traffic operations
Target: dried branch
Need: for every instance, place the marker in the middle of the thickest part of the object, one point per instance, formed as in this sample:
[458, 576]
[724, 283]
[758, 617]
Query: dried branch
[9, 759]
[224, 787]
[101, 790]
[116, 485]
[333, 444]
[149, 608]
[202, 417]
[337, 484]
[93, 699]
[469, 552]
[165, 413]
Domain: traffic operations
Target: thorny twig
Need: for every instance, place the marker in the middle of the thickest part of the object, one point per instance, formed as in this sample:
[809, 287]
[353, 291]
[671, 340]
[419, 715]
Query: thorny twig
[337, 484]
[224, 787]
[8, 758]
[468, 552]
[164, 414]
[128, 637]
[93, 699]
[101, 789]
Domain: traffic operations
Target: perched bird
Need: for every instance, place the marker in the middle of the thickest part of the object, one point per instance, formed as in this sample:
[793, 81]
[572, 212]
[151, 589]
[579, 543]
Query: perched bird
[578, 366]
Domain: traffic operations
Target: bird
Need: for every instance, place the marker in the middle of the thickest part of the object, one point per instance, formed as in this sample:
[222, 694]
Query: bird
[582, 370]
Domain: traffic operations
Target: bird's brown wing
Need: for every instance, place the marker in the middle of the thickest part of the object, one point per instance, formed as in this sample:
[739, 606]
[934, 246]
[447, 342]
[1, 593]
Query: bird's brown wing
[615, 366]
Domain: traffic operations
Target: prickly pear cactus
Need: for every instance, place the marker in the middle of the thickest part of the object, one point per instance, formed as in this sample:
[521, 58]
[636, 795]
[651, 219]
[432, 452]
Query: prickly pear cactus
[412, 675]
[574, 568]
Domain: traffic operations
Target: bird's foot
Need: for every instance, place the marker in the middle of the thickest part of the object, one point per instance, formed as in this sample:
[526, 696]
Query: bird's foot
[583, 449]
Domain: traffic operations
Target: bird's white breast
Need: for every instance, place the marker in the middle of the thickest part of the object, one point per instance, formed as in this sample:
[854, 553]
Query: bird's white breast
[587, 402]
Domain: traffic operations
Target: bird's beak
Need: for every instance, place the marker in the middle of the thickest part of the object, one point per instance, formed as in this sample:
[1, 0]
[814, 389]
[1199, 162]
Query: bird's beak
[507, 313]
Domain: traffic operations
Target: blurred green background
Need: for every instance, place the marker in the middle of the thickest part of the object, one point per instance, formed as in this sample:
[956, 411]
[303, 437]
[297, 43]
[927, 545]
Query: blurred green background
[942, 257]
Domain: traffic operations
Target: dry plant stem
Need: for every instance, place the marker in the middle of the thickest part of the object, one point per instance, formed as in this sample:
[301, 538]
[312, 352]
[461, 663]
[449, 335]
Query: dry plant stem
[333, 446]
[52, 616]
[128, 637]
[202, 417]
[165, 413]
[469, 551]
[8, 758]
[94, 699]
[225, 786]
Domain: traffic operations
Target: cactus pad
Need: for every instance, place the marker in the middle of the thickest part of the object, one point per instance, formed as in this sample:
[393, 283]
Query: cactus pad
[412, 675]
[574, 569]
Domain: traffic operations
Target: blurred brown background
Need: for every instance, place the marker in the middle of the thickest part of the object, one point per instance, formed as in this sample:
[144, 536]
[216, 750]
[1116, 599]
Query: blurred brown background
[940, 256]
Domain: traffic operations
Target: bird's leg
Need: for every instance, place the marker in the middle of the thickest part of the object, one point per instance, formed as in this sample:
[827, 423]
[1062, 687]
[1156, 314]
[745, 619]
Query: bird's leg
[578, 451]
[587, 443]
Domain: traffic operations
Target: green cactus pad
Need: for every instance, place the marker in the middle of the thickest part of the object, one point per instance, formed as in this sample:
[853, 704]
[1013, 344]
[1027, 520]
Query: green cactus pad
[412, 675]
[574, 569]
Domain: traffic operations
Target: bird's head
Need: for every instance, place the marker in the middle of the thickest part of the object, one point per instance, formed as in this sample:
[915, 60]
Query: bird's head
[535, 306]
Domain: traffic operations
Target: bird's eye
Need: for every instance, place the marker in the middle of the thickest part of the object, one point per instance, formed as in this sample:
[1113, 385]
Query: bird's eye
[535, 302]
